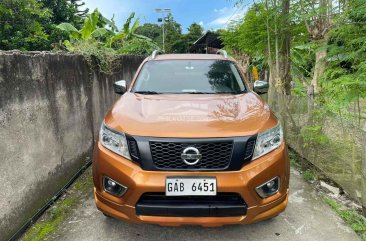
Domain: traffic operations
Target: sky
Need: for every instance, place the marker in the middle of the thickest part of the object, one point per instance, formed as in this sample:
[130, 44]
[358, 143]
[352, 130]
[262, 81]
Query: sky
[211, 14]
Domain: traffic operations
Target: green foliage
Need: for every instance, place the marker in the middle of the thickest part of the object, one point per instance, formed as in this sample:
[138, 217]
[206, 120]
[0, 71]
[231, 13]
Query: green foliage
[101, 45]
[137, 46]
[302, 57]
[21, 26]
[152, 31]
[88, 31]
[357, 222]
[313, 135]
[309, 175]
[195, 31]
[176, 42]
[65, 11]
[249, 34]
[173, 36]
[127, 39]
[31, 24]
[58, 213]
[56, 217]
[344, 81]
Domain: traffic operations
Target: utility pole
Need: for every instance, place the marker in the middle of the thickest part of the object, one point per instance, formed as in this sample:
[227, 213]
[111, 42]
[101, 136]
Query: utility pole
[164, 12]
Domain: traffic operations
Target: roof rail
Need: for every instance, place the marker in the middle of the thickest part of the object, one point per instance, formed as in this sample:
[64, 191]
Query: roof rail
[155, 53]
[223, 53]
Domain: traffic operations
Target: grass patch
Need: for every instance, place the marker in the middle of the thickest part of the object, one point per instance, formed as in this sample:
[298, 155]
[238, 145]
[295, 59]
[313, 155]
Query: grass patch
[309, 175]
[56, 215]
[351, 217]
[85, 182]
[294, 159]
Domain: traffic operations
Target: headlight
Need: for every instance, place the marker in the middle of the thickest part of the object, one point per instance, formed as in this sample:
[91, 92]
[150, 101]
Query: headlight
[114, 141]
[268, 140]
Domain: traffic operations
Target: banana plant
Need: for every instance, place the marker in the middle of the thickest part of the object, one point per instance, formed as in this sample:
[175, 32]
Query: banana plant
[88, 31]
[128, 33]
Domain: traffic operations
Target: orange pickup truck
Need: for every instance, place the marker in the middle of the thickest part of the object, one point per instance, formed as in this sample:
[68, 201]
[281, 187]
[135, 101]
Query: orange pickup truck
[190, 143]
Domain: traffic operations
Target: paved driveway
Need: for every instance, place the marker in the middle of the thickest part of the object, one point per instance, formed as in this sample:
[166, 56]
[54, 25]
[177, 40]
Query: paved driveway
[306, 218]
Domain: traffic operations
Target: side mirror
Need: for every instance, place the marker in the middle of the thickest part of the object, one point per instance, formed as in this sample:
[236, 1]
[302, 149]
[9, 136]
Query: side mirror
[261, 87]
[120, 87]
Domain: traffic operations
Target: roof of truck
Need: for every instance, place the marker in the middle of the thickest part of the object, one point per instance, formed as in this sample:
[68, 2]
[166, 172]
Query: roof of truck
[191, 56]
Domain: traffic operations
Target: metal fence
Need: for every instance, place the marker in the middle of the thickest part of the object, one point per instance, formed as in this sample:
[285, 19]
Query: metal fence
[333, 143]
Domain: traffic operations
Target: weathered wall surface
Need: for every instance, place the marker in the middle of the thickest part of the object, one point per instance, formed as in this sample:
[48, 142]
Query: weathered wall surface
[335, 145]
[51, 106]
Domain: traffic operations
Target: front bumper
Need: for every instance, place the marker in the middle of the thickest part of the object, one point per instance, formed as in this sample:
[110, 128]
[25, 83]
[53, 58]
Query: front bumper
[139, 182]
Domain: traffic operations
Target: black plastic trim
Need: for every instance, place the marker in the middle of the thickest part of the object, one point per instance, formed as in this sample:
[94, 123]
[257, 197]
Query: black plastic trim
[238, 157]
[201, 206]
[191, 210]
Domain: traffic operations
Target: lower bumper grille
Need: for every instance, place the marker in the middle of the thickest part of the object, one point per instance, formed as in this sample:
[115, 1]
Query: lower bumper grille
[222, 205]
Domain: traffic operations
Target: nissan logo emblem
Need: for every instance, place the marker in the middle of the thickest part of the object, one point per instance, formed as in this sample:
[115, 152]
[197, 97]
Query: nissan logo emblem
[191, 156]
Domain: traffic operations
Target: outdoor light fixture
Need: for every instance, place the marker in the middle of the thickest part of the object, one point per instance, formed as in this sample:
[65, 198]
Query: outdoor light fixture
[162, 20]
[113, 187]
[269, 188]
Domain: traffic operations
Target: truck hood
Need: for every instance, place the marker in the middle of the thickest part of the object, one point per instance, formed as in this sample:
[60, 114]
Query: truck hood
[190, 115]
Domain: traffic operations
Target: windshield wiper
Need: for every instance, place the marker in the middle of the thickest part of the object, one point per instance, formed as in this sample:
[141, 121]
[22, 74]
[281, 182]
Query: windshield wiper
[147, 92]
[197, 92]
[213, 93]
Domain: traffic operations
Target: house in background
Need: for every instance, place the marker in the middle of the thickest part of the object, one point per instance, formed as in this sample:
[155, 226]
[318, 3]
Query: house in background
[209, 43]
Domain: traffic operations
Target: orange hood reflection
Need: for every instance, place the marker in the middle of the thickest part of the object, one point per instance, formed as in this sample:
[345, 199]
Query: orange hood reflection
[189, 115]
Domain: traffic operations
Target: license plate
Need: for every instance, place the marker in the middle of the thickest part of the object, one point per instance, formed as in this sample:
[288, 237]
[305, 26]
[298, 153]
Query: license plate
[190, 186]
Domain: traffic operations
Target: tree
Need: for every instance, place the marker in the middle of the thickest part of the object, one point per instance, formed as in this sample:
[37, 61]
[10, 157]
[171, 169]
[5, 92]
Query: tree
[20, 25]
[66, 11]
[285, 49]
[265, 32]
[175, 41]
[317, 19]
[173, 36]
[195, 31]
[346, 70]
[251, 38]
[31, 24]
[128, 41]
[151, 30]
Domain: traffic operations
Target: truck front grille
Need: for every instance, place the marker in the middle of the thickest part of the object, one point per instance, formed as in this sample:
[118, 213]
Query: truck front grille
[215, 155]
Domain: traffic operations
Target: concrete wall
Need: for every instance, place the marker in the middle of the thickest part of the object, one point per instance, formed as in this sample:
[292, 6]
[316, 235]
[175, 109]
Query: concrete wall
[51, 106]
[334, 144]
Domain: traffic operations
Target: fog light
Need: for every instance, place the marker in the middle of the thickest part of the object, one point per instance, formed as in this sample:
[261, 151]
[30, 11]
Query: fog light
[113, 187]
[269, 188]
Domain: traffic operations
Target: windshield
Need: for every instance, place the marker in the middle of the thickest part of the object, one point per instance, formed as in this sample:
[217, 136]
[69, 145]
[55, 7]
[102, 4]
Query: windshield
[189, 76]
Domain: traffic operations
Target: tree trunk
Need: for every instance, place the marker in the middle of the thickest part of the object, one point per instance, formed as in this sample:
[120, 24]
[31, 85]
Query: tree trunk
[272, 73]
[319, 68]
[285, 51]
[244, 62]
[277, 57]
[272, 70]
